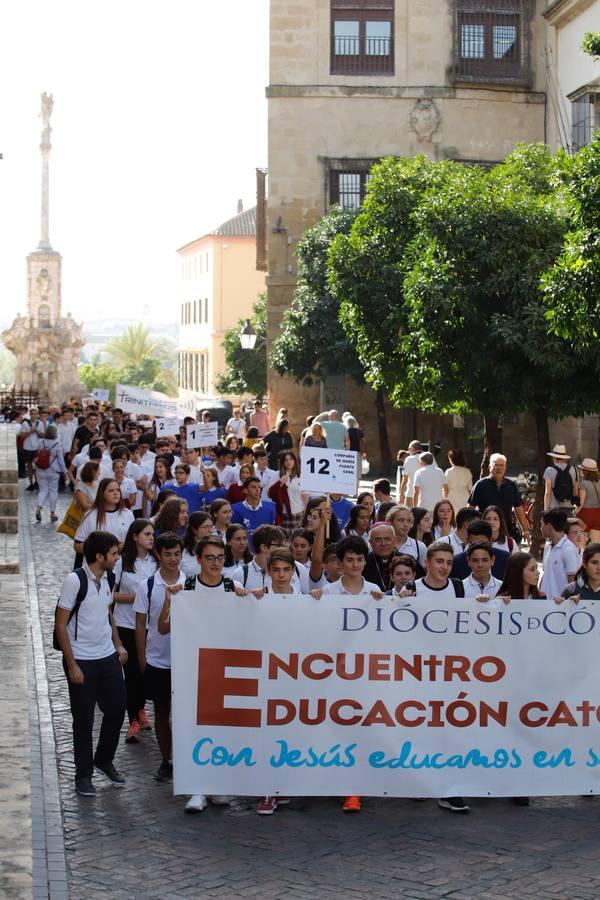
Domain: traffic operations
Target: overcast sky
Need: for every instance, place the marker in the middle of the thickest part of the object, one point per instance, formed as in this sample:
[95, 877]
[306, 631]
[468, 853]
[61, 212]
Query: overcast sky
[159, 123]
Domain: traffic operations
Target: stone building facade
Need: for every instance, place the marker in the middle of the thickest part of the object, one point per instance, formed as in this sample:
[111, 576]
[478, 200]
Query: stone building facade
[219, 285]
[352, 81]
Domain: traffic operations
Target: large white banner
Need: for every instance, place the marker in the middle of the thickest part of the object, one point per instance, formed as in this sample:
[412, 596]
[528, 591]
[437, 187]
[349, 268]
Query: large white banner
[139, 400]
[350, 695]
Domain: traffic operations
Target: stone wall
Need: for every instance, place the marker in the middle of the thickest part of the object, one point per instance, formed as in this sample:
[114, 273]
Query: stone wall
[315, 117]
[9, 502]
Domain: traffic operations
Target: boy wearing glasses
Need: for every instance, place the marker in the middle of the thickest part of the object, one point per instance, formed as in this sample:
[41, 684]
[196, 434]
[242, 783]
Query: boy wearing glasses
[210, 553]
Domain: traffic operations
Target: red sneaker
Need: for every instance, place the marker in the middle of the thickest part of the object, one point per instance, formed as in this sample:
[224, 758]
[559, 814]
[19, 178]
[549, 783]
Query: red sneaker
[145, 723]
[266, 806]
[133, 733]
[351, 804]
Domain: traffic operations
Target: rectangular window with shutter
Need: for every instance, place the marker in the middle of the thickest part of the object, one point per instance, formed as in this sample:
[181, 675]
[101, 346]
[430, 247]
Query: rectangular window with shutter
[362, 37]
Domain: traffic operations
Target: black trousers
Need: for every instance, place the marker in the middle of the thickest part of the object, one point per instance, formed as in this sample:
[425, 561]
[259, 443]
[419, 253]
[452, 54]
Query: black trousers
[134, 680]
[103, 684]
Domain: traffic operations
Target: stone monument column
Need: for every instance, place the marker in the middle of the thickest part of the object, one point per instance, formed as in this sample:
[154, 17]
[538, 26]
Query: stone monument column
[45, 343]
[45, 148]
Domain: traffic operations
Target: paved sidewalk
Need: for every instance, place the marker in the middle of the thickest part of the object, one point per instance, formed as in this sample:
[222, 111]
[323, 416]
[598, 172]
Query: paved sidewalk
[136, 842]
[15, 778]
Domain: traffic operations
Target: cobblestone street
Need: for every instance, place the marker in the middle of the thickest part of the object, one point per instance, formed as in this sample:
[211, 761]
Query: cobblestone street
[137, 843]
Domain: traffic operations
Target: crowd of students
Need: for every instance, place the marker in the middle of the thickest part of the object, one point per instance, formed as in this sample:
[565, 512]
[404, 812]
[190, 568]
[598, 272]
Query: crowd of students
[158, 518]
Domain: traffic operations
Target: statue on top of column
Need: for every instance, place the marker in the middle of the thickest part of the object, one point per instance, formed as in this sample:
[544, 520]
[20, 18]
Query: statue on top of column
[46, 111]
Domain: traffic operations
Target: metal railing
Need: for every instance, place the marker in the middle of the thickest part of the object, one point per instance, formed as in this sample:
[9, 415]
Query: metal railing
[491, 45]
[354, 55]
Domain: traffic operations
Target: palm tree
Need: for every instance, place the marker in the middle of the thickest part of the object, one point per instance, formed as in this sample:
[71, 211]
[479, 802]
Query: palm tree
[135, 344]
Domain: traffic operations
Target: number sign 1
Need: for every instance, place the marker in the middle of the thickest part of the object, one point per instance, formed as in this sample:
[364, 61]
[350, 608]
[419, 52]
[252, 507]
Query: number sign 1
[202, 435]
[328, 471]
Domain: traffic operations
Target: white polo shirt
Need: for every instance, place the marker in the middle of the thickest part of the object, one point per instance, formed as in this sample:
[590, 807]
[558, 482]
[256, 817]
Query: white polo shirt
[474, 588]
[158, 646]
[411, 465]
[414, 548]
[560, 561]
[127, 583]
[116, 523]
[94, 632]
[337, 587]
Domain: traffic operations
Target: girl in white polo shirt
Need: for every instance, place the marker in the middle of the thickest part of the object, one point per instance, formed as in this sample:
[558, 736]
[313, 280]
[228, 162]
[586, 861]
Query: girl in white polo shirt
[107, 513]
[137, 563]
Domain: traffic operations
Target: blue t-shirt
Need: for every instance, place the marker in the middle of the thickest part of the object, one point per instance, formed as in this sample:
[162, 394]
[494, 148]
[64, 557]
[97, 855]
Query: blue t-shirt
[252, 518]
[188, 492]
[342, 509]
[207, 497]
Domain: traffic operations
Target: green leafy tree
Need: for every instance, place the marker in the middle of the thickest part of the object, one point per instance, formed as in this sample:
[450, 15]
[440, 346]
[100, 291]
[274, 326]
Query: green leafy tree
[135, 344]
[312, 344]
[572, 286]
[246, 369]
[591, 44]
[440, 286]
[148, 373]
[96, 374]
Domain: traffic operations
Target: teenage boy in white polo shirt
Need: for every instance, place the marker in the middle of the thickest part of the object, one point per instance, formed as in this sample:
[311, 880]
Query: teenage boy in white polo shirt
[561, 559]
[438, 584]
[153, 648]
[210, 553]
[480, 582]
[93, 660]
[352, 553]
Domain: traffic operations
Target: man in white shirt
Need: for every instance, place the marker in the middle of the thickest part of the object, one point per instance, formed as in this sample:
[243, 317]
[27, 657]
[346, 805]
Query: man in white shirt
[411, 464]
[561, 558]
[428, 482]
[568, 491]
[93, 657]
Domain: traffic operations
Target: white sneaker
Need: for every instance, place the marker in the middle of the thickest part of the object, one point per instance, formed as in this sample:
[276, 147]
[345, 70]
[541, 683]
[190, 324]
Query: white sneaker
[219, 799]
[195, 804]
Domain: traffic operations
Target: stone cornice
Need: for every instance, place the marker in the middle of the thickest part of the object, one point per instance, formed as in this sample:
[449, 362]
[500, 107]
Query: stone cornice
[402, 92]
[560, 12]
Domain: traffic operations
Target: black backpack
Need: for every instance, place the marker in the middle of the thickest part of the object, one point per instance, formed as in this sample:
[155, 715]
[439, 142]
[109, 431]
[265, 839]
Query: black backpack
[81, 595]
[563, 488]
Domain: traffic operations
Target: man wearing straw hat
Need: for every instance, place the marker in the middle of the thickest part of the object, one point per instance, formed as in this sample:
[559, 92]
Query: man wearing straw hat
[561, 481]
[589, 497]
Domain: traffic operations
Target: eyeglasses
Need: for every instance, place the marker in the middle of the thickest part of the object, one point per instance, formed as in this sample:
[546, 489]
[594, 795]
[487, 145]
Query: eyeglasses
[210, 558]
